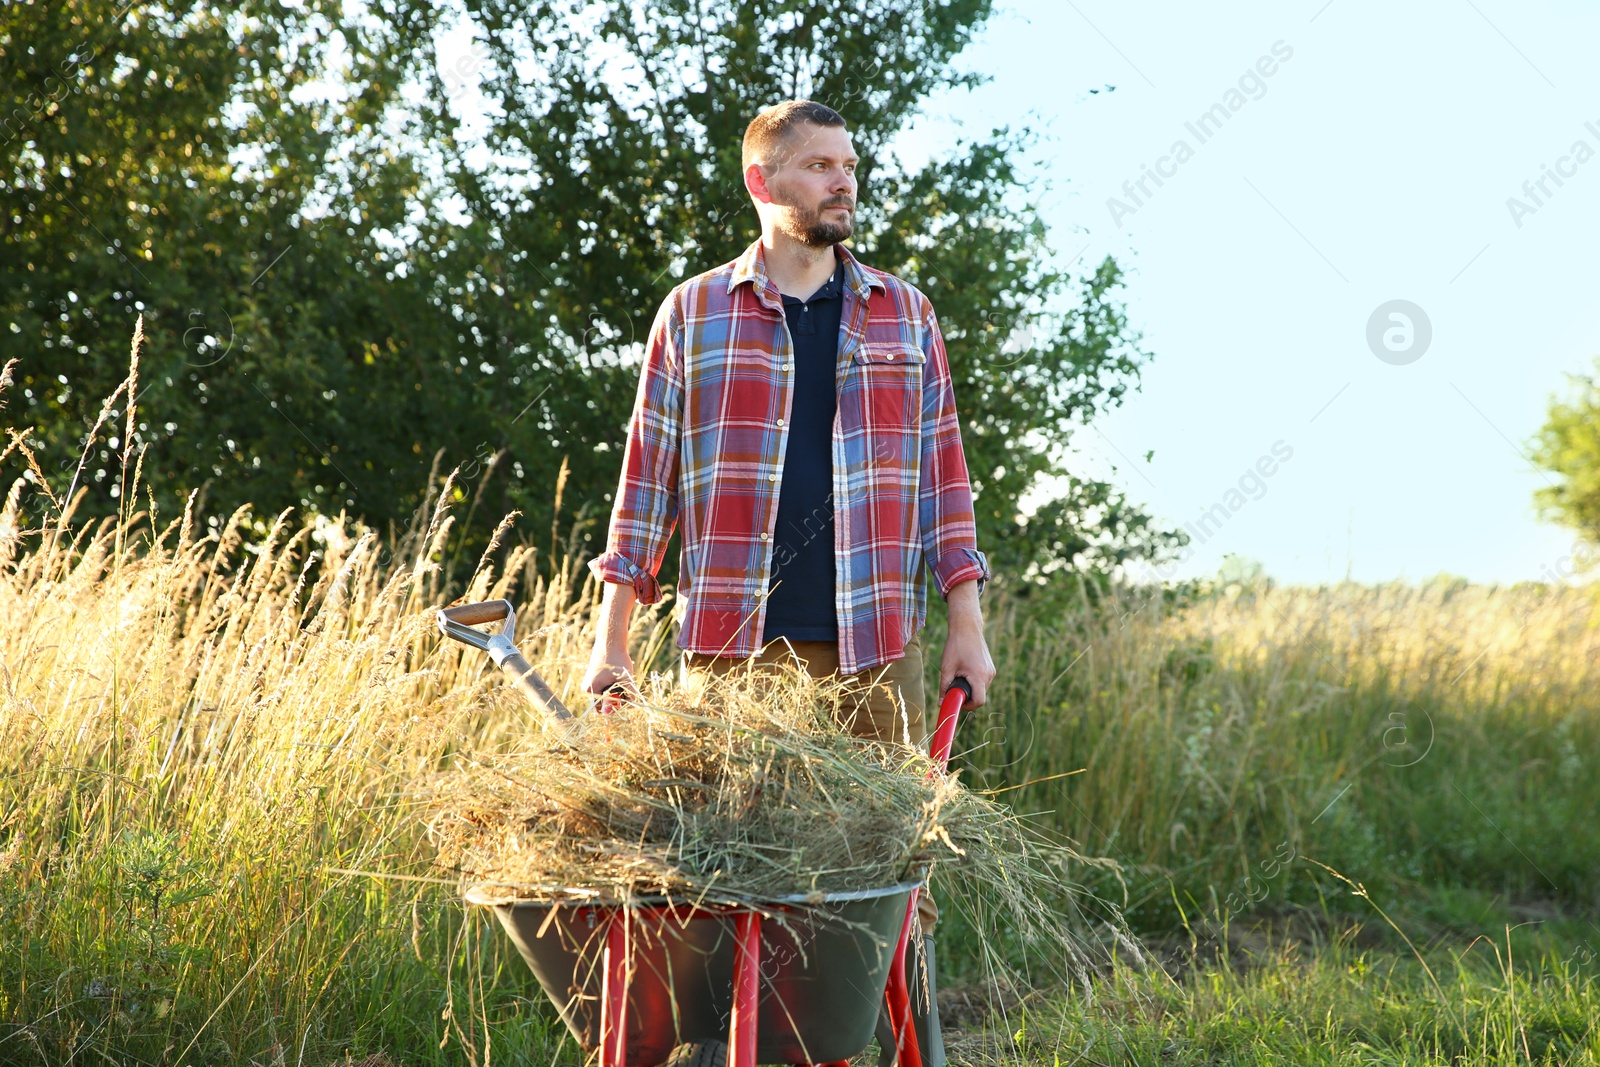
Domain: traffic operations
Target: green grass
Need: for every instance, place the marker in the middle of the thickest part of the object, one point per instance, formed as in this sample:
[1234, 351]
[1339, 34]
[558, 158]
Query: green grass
[1432, 745]
[1318, 987]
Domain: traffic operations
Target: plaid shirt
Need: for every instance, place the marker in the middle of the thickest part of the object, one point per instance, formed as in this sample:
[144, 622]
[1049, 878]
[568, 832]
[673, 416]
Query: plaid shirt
[706, 445]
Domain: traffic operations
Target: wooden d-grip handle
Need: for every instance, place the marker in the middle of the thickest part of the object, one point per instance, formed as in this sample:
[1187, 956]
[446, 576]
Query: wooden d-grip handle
[478, 614]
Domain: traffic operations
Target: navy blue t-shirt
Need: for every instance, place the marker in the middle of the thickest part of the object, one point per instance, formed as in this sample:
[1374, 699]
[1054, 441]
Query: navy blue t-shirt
[800, 606]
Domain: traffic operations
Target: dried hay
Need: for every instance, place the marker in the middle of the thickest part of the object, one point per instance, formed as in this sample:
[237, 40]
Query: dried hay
[737, 789]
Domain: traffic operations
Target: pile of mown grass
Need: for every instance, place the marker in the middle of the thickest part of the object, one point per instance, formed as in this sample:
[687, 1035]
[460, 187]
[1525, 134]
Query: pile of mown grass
[739, 788]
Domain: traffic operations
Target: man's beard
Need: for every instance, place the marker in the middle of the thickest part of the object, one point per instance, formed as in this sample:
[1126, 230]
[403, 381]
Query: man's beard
[810, 228]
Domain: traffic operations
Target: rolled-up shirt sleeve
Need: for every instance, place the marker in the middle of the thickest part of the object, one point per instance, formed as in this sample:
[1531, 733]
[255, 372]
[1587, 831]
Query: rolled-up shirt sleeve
[645, 511]
[949, 532]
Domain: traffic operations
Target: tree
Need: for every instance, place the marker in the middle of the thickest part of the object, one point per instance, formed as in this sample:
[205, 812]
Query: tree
[1568, 446]
[215, 170]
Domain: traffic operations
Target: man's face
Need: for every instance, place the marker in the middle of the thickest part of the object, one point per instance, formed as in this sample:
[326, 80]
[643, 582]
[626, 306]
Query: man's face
[813, 185]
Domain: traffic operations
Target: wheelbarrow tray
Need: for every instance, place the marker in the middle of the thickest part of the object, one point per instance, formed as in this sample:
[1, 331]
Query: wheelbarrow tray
[823, 965]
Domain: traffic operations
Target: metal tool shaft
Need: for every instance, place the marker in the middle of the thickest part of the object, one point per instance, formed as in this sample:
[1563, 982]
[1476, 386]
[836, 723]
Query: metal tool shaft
[458, 623]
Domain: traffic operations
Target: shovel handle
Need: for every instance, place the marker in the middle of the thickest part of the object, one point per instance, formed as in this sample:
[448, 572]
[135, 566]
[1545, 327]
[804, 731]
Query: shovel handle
[458, 622]
[535, 688]
[480, 613]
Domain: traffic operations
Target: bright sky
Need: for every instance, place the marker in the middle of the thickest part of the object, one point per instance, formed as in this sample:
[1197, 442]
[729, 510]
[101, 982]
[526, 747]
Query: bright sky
[1374, 164]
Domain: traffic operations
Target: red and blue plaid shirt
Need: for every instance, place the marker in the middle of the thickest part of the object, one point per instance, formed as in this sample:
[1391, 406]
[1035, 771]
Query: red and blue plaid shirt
[706, 445]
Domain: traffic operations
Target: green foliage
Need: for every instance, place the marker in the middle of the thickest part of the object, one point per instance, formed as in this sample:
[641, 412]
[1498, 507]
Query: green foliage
[341, 292]
[149, 876]
[191, 163]
[1568, 446]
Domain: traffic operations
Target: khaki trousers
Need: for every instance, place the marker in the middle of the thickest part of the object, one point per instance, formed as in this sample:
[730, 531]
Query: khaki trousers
[887, 705]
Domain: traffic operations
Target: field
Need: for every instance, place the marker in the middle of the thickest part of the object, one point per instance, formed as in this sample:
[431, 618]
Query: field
[1344, 825]
[1355, 825]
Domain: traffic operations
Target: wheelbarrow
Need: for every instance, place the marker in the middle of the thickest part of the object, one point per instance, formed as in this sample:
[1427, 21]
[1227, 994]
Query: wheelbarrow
[793, 980]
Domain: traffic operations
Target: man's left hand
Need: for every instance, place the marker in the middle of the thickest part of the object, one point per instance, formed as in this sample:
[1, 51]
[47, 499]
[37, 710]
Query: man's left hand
[966, 653]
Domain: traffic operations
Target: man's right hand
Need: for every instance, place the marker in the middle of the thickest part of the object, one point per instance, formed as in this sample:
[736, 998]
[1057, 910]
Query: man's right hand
[607, 667]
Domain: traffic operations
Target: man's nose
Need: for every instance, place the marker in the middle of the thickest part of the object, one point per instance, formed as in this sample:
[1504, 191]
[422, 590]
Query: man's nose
[844, 182]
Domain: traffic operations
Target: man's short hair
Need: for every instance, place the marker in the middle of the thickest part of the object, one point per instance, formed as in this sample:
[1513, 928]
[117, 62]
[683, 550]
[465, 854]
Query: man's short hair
[774, 124]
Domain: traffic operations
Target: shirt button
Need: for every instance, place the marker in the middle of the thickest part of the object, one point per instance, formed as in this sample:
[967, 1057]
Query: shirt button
[888, 355]
[780, 422]
[772, 477]
[763, 537]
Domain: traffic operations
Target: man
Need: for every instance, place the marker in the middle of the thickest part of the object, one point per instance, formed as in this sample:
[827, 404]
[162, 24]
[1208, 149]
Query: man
[795, 414]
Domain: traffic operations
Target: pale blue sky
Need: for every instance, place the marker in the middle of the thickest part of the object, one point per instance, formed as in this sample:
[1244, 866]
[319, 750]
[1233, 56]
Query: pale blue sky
[1376, 165]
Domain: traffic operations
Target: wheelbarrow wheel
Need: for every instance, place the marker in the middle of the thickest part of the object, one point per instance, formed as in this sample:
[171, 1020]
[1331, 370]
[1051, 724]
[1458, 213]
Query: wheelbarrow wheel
[699, 1054]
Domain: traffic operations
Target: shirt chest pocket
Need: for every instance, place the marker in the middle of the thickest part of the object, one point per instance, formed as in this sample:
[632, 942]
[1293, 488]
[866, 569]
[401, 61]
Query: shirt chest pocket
[890, 377]
[888, 354]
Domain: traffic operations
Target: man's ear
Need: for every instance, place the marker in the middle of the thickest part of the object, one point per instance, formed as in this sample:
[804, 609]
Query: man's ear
[756, 183]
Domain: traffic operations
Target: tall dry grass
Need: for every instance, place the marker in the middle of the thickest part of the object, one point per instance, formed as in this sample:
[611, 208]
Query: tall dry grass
[221, 757]
[212, 843]
[205, 731]
[1409, 736]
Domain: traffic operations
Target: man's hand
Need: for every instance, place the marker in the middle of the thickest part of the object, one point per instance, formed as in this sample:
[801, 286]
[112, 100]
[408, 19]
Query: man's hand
[610, 662]
[607, 667]
[966, 654]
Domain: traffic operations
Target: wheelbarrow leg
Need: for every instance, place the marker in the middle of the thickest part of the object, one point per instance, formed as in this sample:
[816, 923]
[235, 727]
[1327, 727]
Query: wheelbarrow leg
[614, 994]
[746, 993]
[897, 995]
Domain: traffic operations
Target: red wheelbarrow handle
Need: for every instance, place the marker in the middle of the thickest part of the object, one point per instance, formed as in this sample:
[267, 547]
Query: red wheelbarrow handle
[897, 993]
[944, 734]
